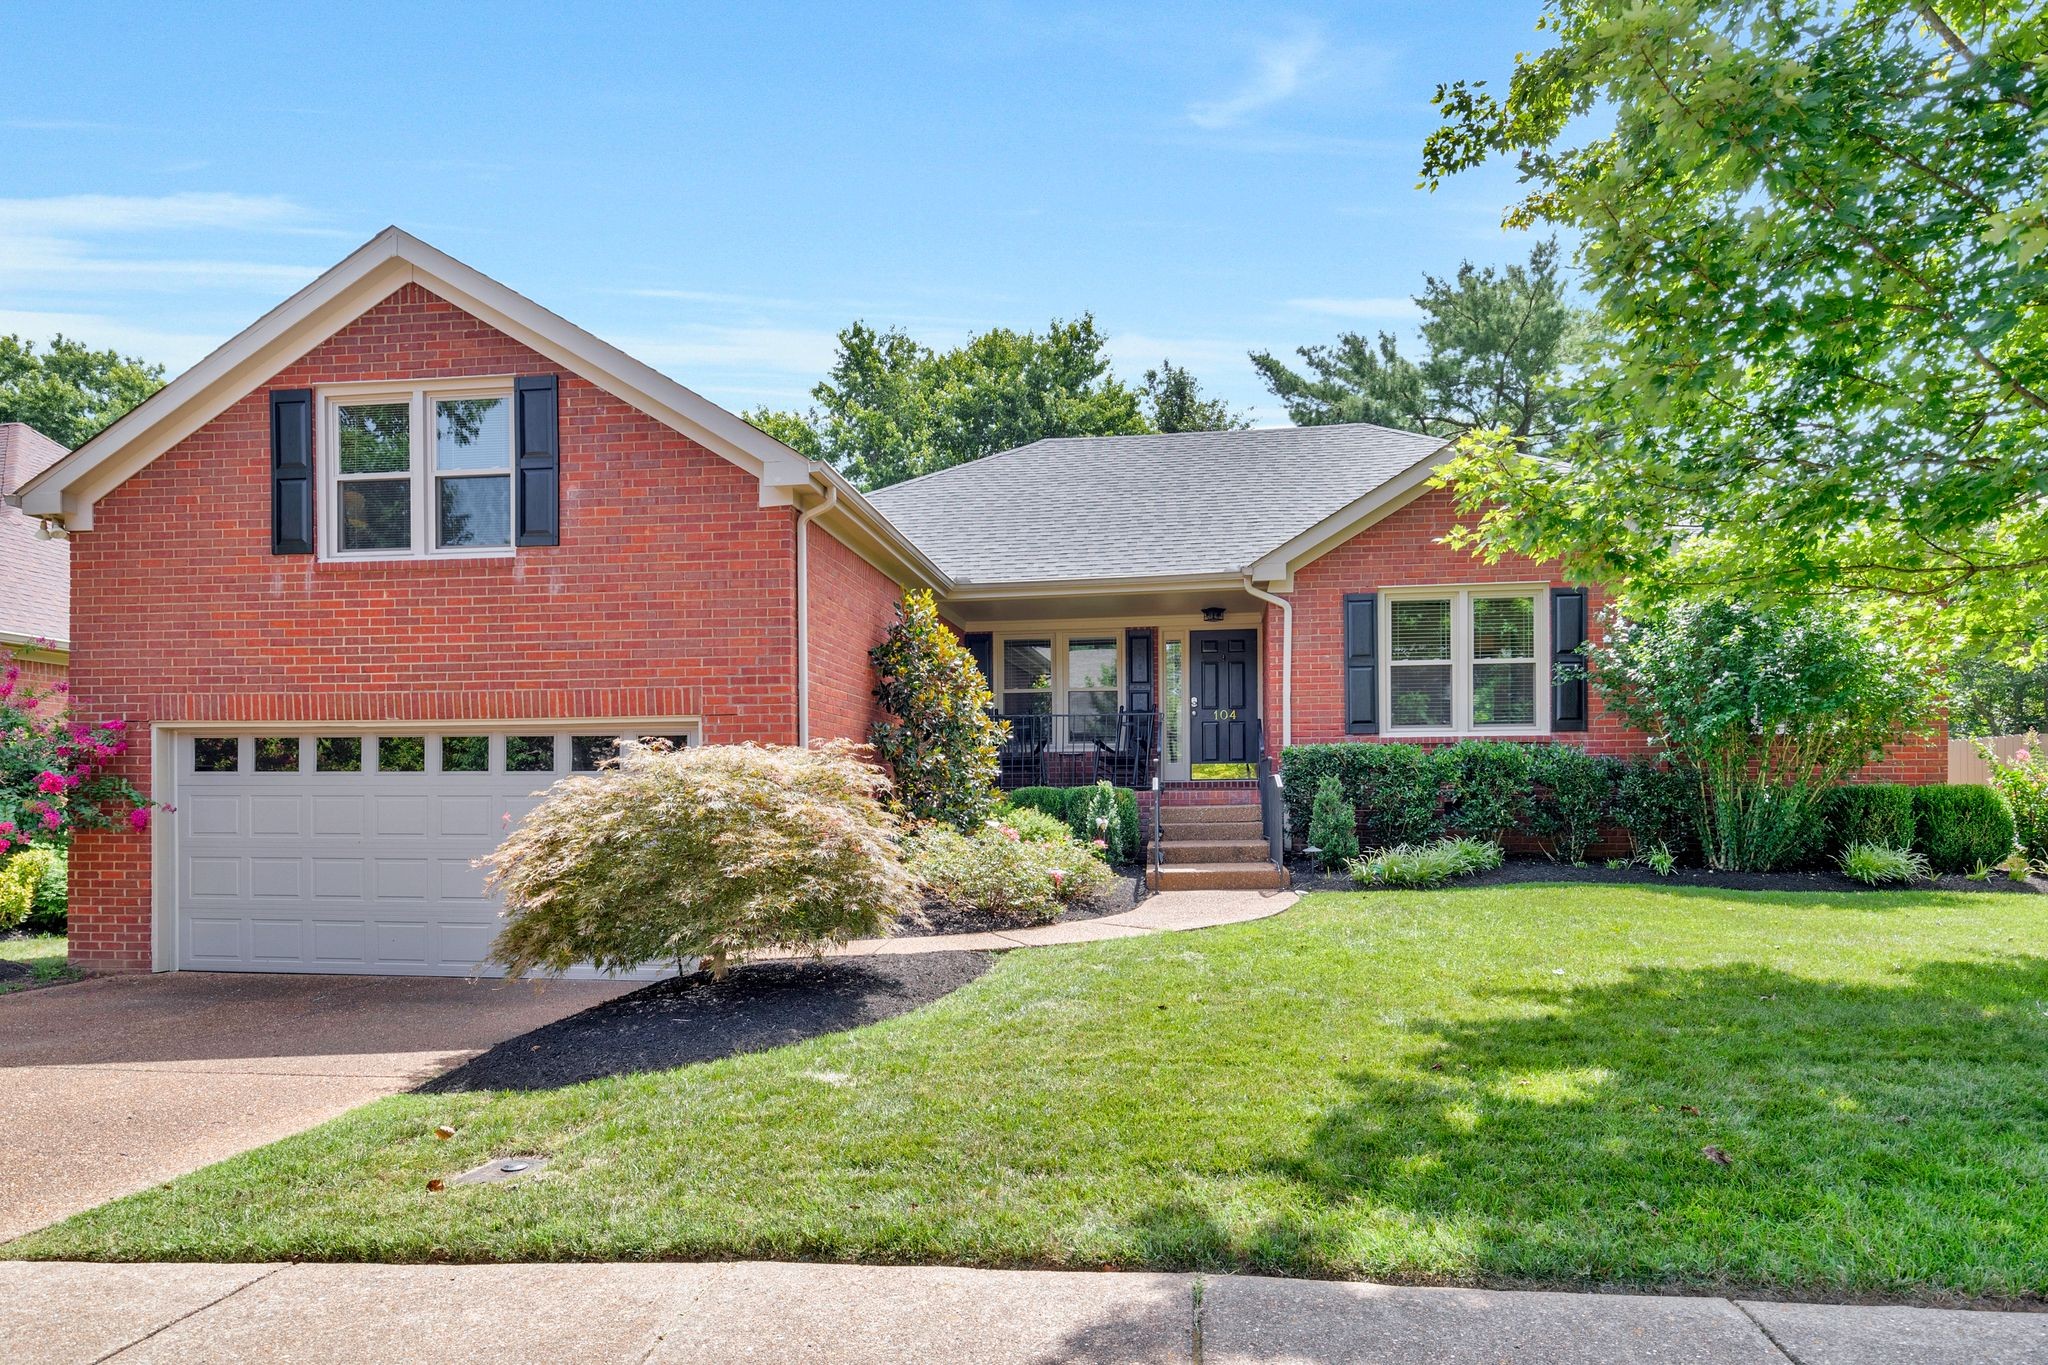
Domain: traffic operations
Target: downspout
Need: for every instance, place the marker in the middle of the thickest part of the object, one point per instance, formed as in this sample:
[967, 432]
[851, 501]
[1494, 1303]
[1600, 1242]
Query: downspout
[1286, 658]
[803, 612]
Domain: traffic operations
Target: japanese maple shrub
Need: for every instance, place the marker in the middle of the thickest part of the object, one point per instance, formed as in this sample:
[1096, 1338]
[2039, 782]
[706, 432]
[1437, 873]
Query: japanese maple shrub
[1771, 707]
[942, 744]
[709, 853]
[57, 771]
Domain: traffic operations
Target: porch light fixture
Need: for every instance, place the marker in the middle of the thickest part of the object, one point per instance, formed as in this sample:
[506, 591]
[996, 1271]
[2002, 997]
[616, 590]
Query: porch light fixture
[1212, 613]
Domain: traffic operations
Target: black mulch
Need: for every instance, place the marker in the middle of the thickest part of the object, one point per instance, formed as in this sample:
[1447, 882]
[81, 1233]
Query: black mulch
[690, 1019]
[15, 971]
[1307, 877]
[940, 918]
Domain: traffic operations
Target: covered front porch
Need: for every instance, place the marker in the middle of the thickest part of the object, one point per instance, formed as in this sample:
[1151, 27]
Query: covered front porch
[1124, 686]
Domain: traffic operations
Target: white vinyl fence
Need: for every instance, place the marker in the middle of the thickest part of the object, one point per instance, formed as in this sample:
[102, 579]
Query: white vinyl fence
[1965, 764]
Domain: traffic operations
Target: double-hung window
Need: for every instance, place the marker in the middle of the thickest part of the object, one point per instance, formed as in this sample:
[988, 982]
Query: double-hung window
[1464, 660]
[419, 471]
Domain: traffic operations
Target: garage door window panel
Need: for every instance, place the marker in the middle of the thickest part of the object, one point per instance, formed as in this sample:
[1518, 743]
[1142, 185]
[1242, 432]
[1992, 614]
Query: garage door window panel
[465, 753]
[277, 753]
[338, 754]
[529, 753]
[216, 754]
[402, 753]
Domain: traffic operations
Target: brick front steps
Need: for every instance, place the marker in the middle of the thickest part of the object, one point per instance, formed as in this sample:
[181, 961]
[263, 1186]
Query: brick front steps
[1214, 840]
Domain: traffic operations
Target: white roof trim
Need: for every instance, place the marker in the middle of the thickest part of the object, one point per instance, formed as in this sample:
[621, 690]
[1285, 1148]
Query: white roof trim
[1278, 565]
[69, 488]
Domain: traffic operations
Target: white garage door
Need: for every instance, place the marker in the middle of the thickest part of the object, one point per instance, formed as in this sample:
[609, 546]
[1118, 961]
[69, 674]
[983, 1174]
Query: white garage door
[326, 852]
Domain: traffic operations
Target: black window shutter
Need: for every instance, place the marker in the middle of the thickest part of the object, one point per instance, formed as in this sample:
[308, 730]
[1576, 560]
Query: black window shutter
[1568, 651]
[1361, 664]
[291, 471]
[982, 646]
[537, 462]
[1138, 665]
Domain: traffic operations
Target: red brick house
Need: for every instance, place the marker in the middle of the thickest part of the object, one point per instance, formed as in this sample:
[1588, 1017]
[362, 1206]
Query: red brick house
[367, 576]
[35, 567]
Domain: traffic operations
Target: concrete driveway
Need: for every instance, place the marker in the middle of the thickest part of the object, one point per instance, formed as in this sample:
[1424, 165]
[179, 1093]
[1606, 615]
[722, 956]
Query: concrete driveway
[113, 1085]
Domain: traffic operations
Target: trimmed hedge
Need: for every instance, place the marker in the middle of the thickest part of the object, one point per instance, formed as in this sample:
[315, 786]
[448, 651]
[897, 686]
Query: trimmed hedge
[1879, 813]
[1397, 789]
[1961, 828]
[1069, 804]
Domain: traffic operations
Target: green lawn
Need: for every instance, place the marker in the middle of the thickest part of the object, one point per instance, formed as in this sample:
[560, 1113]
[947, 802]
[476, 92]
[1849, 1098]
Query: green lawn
[1509, 1085]
[43, 952]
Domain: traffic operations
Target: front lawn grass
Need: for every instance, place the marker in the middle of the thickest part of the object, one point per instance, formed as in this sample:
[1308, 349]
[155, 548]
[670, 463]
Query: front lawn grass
[1517, 1084]
[44, 954]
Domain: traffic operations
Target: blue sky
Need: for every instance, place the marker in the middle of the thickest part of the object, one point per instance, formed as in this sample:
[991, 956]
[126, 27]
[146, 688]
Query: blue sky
[720, 189]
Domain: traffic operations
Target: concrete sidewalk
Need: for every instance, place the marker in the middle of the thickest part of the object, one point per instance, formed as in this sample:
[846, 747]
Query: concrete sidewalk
[758, 1311]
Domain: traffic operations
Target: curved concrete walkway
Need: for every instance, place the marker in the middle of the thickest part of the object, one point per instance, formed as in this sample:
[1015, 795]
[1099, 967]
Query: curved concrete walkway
[1164, 912]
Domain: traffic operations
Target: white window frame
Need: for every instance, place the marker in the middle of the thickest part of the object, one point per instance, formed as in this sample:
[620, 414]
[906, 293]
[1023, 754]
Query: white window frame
[1059, 638]
[421, 469]
[1461, 598]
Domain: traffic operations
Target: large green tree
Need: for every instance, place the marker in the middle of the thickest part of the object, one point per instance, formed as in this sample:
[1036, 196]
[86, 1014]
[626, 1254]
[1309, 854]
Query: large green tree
[1817, 235]
[70, 391]
[1177, 403]
[1493, 341]
[893, 408]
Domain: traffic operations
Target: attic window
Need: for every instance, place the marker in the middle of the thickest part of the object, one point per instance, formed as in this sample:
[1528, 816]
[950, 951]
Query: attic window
[425, 470]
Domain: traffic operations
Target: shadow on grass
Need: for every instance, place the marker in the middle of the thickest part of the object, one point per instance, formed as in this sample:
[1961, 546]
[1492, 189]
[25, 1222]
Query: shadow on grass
[1880, 1138]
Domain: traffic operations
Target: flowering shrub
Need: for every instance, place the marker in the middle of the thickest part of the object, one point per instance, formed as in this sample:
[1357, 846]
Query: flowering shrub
[997, 870]
[1032, 825]
[56, 773]
[943, 741]
[1770, 706]
[2024, 780]
[709, 852]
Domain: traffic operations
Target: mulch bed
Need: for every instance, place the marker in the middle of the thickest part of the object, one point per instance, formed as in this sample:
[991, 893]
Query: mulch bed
[1307, 877]
[940, 918]
[691, 1019]
[15, 971]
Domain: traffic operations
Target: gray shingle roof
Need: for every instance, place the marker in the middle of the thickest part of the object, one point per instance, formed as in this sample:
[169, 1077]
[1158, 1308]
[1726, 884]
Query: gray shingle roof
[1197, 502]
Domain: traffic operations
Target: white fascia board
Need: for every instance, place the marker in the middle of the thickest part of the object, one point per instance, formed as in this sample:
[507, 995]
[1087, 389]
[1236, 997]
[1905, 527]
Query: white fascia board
[861, 527]
[1278, 566]
[69, 487]
[1068, 587]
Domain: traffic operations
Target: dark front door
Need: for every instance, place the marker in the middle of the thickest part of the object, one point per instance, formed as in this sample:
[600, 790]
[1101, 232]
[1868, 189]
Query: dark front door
[1225, 698]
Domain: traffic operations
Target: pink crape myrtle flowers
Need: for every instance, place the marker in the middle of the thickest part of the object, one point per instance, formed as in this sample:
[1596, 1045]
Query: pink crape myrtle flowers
[58, 774]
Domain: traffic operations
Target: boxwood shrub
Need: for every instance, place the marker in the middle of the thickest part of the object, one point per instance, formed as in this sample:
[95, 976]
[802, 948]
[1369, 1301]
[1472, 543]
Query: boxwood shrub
[1961, 828]
[1879, 813]
[1397, 789]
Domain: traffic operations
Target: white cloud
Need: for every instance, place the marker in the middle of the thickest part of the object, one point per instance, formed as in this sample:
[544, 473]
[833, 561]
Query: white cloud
[1279, 71]
[804, 353]
[174, 350]
[54, 263]
[147, 213]
[1383, 309]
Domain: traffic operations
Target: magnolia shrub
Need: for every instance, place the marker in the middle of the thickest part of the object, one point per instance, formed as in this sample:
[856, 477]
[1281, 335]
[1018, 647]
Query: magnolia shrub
[710, 853]
[998, 870]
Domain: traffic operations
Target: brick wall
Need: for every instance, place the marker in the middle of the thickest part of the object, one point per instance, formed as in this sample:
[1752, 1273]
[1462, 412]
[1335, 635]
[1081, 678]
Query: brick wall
[671, 593]
[1402, 550]
[853, 605]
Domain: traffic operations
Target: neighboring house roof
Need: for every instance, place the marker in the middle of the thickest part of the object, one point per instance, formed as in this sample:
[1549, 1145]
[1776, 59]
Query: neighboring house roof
[35, 574]
[1207, 503]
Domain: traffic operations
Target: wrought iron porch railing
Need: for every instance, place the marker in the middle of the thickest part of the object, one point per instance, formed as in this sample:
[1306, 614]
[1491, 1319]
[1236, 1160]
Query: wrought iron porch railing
[1053, 749]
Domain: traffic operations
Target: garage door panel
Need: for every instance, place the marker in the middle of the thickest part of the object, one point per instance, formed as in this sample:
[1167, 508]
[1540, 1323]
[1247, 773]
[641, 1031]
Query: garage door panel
[342, 870]
[337, 816]
[338, 879]
[274, 813]
[213, 940]
[402, 943]
[277, 940]
[213, 877]
[404, 879]
[212, 815]
[277, 878]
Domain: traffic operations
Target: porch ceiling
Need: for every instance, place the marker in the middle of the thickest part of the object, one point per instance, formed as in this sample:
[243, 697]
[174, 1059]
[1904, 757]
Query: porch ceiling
[976, 608]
